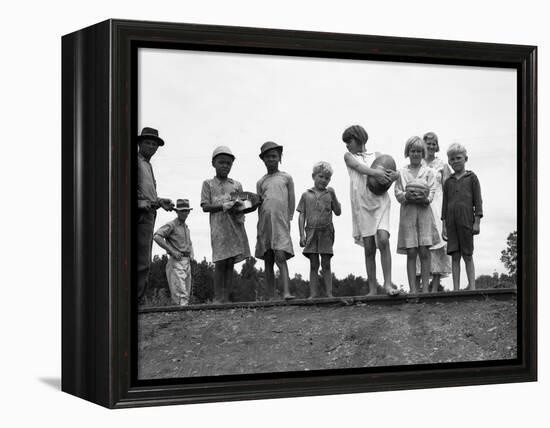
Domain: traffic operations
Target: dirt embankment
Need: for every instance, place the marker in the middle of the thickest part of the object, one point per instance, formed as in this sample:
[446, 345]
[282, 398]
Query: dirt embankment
[299, 338]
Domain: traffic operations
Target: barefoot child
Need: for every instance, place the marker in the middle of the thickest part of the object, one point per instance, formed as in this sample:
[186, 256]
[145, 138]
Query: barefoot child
[316, 230]
[175, 238]
[370, 213]
[227, 232]
[273, 245]
[415, 189]
[461, 214]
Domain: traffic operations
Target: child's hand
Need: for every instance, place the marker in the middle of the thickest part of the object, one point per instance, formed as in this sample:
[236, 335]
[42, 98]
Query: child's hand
[394, 175]
[228, 205]
[383, 176]
[444, 233]
[302, 241]
[236, 206]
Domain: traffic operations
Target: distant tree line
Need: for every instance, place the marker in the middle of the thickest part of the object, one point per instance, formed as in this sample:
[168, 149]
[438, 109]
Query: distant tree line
[249, 284]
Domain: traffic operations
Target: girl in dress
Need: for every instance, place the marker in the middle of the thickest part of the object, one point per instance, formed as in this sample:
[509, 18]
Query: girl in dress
[415, 189]
[227, 231]
[441, 262]
[276, 190]
[370, 213]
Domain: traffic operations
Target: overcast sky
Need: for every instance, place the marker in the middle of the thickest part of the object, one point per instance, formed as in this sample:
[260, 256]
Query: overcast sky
[199, 100]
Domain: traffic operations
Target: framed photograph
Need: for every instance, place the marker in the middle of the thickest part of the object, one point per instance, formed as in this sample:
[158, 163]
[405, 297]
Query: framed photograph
[255, 213]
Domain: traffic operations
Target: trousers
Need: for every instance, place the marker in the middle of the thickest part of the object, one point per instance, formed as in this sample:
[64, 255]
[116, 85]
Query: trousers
[178, 274]
[145, 229]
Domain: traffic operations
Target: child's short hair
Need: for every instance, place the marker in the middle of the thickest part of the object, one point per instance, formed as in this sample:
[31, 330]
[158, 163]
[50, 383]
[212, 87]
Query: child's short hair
[356, 132]
[456, 148]
[416, 143]
[323, 167]
[432, 136]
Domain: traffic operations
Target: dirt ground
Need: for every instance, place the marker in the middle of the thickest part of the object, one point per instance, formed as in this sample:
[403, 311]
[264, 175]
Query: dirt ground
[299, 338]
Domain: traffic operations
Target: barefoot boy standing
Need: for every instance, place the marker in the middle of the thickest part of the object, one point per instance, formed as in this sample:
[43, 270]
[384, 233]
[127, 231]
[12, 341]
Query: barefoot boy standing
[316, 229]
[461, 214]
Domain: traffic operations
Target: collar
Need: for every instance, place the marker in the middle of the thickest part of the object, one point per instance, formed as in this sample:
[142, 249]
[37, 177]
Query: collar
[466, 173]
[140, 157]
[218, 181]
[312, 190]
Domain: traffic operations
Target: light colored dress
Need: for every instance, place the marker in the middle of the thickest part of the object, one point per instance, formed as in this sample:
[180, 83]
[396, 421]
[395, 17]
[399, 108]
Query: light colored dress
[275, 214]
[441, 262]
[416, 222]
[369, 212]
[227, 232]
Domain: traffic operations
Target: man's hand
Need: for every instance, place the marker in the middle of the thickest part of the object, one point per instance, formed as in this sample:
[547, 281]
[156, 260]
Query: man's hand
[476, 229]
[444, 232]
[302, 241]
[178, 255]
[166, 204]
[144, 205]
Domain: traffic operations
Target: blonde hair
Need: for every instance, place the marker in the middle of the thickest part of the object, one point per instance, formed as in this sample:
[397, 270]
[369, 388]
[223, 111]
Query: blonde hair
[322, 167]
[456, 148]
[432, 136]
[415, 142]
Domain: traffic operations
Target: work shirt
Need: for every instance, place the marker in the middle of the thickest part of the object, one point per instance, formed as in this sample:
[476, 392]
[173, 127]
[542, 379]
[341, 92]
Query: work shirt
[146, 184]
[317, 208]
[176, 233]
[462, 199]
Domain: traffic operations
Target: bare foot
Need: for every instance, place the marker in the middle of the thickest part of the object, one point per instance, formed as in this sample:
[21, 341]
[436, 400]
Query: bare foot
[371, 293]
[390, 291]
[289, 297]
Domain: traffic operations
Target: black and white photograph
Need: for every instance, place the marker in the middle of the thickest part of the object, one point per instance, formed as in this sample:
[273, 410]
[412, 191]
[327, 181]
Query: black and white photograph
[297, 214]
[275, 214]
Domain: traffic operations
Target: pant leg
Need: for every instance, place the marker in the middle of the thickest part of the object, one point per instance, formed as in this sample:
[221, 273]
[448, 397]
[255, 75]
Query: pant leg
[178, 274]
[145, 228]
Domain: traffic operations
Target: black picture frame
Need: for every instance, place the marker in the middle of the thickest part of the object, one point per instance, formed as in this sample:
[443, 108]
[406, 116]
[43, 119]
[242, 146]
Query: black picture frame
[98, 127]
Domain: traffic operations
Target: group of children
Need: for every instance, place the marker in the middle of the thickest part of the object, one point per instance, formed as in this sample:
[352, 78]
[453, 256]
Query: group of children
[418, 186]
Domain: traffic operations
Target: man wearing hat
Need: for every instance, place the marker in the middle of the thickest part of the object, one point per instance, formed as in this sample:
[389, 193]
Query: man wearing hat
[175, 238]
[148, 203]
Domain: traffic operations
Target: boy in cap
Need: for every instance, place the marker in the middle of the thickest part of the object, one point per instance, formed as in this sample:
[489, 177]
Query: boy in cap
[148, 203]
[227, 232]
[175, 238]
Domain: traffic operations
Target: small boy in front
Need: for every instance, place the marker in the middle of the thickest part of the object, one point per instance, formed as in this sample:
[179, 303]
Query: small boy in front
[316, 229]
[461, 214]
[175, 238]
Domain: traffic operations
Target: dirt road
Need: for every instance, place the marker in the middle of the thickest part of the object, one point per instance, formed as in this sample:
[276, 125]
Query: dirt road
[298, 338]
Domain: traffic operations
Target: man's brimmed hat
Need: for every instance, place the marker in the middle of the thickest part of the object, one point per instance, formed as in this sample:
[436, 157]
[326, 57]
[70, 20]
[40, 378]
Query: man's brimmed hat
[222, 150]
[150, 134]
[269, 145]
[182, 205]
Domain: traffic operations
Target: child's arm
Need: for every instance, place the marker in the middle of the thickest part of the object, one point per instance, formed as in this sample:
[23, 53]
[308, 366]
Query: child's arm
[400, 193]
[444, 213]
[206, 201]
[382, 175]
[301, 227]
[291, 198]
[302, 220]
[334, 204]
[430, 179]
[478, 205]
